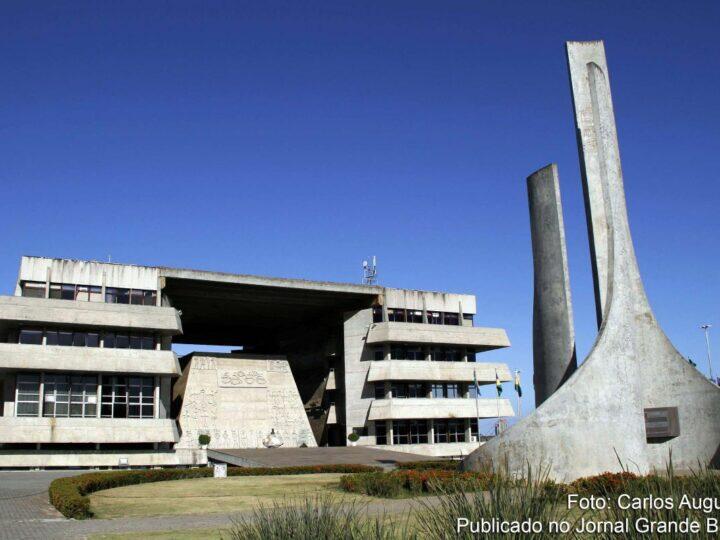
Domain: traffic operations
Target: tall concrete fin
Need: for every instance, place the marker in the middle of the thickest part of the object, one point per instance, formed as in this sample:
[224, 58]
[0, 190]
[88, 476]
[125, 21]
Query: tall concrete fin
[632, 369]
[553, 333]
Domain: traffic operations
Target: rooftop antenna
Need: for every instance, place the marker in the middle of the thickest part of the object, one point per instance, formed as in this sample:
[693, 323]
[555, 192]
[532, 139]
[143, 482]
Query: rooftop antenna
[370, 271]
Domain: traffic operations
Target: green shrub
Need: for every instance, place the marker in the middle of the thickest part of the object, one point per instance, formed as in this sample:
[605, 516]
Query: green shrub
[411, 482]
[69, 495]
[445, 465]
[606, 483]
[353, 437]
[204, 439]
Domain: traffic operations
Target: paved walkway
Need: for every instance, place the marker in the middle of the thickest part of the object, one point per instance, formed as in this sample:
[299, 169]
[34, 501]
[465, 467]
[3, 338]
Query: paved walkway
[324, 455]
[26, 514]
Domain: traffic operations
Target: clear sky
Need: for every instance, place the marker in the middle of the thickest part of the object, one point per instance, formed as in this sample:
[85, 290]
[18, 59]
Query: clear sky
[296, 138]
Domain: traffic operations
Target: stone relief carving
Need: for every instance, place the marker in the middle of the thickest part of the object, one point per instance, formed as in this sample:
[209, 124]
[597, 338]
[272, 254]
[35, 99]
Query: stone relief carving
[278, 366]
[236, 378]
[204, 364]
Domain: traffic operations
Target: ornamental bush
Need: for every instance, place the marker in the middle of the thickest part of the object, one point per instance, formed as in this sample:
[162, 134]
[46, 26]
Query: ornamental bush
[412, 482]
[69, 495]
[605, 483]
[446, 465]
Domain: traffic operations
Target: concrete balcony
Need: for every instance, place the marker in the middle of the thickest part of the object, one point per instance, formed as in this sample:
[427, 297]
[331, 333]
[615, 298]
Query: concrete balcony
[86, 430]
[483, 339]
[39, 311]
[55, 358]
[418, 370]
[420, 408]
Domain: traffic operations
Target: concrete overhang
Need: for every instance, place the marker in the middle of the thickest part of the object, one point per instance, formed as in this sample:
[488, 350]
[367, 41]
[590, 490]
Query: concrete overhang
[16, 310]
[419, 370]
[482, 339]
[86, 430]
[232, 309]
[15, 357]
[420, 408]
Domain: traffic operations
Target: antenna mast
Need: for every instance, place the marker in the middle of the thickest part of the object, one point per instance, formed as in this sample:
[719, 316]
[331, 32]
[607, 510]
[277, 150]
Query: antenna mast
[370, 271]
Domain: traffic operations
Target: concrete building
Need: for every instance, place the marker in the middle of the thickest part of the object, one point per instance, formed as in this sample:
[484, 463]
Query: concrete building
[88, 376]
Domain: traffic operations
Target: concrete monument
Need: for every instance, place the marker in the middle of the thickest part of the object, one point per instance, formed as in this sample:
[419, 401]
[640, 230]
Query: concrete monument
[553, 334]
[634, 397]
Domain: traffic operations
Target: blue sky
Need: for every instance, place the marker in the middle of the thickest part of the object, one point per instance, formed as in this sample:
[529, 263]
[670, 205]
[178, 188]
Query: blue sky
[296, 138]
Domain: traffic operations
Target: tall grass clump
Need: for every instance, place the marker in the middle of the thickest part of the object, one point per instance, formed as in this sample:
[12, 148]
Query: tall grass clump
[504, 499]
[700, 484]
[322, 517]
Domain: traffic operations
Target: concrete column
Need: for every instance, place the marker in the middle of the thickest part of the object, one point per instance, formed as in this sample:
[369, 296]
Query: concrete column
[428, 353]
[48, 276]
[41, 395]
[388, 389]
[103, 285]
[553, 334]
[424, 311]
[98, 413]
[156, 398]
[389, 429]
[386, 350]
[431, 431]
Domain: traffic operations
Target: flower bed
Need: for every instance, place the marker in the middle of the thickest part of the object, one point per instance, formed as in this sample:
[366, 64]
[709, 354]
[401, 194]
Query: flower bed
[69, 495]
[445, 465]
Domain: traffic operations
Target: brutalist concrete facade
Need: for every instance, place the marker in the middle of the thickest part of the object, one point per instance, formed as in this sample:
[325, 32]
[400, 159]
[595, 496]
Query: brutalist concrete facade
[89, 376]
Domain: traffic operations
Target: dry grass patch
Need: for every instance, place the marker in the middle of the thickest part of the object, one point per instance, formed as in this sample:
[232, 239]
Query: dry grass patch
[211, 495]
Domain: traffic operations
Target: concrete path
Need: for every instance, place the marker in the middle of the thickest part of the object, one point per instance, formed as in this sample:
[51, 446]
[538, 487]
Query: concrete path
[330, 455]
[26, 514]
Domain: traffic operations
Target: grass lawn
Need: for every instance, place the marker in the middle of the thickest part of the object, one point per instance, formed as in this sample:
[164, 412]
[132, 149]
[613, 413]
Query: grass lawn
[211, 495]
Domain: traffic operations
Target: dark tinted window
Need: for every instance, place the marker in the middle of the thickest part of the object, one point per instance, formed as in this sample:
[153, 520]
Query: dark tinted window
[31, 337]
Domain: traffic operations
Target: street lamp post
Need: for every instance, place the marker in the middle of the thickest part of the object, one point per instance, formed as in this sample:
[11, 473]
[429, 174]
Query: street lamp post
[706, 328]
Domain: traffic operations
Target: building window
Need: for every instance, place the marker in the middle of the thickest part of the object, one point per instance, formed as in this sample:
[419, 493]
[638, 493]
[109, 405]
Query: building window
[468, 317]
[380, 432]
[401, 432]
[33, 289]
[408, 390]
[27, 402]
[112, 340]
[471, 355]
[116, 295]
[70, 395]
[434, 317]
[30, 336]
[379, 390]
[127, 397]
[473, 390]
[449, 431]
[399, 390]
[397, 352]
[396, 315]
[452, 319]
[379, 353]
[377, 314]
[418, 432]
[414, 316]
[414, 353]
[446, 390]
[453, 355]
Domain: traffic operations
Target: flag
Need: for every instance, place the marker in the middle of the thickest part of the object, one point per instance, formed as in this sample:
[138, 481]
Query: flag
[518, 388]
[498, 384]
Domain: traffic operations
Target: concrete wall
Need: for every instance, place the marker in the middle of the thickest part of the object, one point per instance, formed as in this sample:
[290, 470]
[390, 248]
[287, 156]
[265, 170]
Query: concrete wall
[433, 301]
[439, 449]
[86, 430]
[237, 399]
[358, 394]
[419, 408]
[421, 370]
[88, 273]
[39, 311]
[93, 359]
[489, 338]
[101, 458]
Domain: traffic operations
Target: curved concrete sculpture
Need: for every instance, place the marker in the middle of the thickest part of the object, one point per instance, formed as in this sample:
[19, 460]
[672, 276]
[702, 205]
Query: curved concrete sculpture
[633, 381]
[553, 334]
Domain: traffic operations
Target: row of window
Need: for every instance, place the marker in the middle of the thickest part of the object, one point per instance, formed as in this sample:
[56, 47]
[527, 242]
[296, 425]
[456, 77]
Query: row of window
[440, 390]
[415, 352]
[77, 338]
[416, 316]
[90, 293]
[76, 396]
[416, 431]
